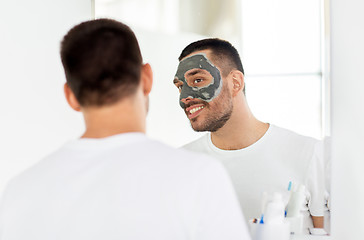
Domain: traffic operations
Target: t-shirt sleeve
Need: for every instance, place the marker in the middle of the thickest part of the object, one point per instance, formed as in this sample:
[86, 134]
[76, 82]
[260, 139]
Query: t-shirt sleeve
[316, 181]
[220, 214]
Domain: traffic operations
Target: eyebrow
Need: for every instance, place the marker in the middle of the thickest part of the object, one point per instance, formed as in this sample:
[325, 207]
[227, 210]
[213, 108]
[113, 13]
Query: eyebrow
[193, 72]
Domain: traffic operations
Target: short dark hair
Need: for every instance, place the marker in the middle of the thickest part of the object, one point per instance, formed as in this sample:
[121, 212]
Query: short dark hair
[102, 61]
[223, 52]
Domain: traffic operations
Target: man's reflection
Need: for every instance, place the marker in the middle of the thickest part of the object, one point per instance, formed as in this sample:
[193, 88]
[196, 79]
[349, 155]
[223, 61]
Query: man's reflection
[260, 157]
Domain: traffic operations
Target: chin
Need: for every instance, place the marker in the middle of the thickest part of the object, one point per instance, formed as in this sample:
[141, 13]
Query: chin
[197, 127]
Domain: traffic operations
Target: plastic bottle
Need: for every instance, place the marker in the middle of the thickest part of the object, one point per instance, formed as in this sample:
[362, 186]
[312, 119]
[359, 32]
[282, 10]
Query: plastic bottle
[294, 216]
[274, 225]
[274, 212]
[296, 201]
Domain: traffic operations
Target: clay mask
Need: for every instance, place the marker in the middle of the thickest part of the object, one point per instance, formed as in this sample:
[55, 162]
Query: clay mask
[188, 71]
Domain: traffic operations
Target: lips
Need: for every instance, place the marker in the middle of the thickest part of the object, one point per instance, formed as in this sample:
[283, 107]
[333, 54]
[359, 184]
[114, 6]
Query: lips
[194, 110]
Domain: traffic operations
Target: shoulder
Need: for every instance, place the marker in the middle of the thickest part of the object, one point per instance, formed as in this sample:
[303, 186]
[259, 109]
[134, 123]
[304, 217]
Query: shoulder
[188, 154]
[198, 145]
[301, 147]
[302, 151]
[156, 156]
[182, 161]
[283, 132]
[290, 138]
[35, 175]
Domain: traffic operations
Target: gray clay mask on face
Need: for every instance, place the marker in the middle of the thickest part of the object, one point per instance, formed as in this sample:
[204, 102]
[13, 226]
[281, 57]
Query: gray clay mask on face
[190, 70]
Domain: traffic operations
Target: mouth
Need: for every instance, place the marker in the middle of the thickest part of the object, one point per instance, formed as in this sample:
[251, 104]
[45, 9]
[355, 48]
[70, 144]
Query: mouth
[194, 110]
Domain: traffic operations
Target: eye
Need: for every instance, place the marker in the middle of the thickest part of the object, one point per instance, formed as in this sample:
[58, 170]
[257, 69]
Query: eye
[179, 85]
[198, 80]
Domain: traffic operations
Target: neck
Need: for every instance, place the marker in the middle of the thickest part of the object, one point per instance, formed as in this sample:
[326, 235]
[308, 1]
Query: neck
[122, 117]
[241, 130]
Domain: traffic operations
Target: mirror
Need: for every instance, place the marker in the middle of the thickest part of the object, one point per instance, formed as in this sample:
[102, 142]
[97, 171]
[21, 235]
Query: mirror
[283, 51]
[283, 60]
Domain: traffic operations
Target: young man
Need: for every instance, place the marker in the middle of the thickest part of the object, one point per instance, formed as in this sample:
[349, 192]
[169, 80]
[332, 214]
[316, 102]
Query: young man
[259, 156]
[114, 182]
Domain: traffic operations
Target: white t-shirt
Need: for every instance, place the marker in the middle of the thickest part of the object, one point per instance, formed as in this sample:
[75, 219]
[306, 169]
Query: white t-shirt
[268, 165]
[122, 187]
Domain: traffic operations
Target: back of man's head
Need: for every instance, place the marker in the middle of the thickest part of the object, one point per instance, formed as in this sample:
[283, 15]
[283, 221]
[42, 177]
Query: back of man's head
[102, 62]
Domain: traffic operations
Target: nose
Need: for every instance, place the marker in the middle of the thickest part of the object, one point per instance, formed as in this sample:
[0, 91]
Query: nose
[186, 100]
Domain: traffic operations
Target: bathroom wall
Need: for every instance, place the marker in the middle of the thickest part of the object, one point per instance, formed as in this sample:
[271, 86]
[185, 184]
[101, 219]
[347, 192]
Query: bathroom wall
[34, 117]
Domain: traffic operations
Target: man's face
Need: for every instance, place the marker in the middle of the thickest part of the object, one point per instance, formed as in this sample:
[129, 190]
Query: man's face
[205, 99]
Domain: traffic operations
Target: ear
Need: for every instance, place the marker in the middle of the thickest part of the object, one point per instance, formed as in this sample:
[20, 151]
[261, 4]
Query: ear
[147, 78]
[71, 98]
[238, 82]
